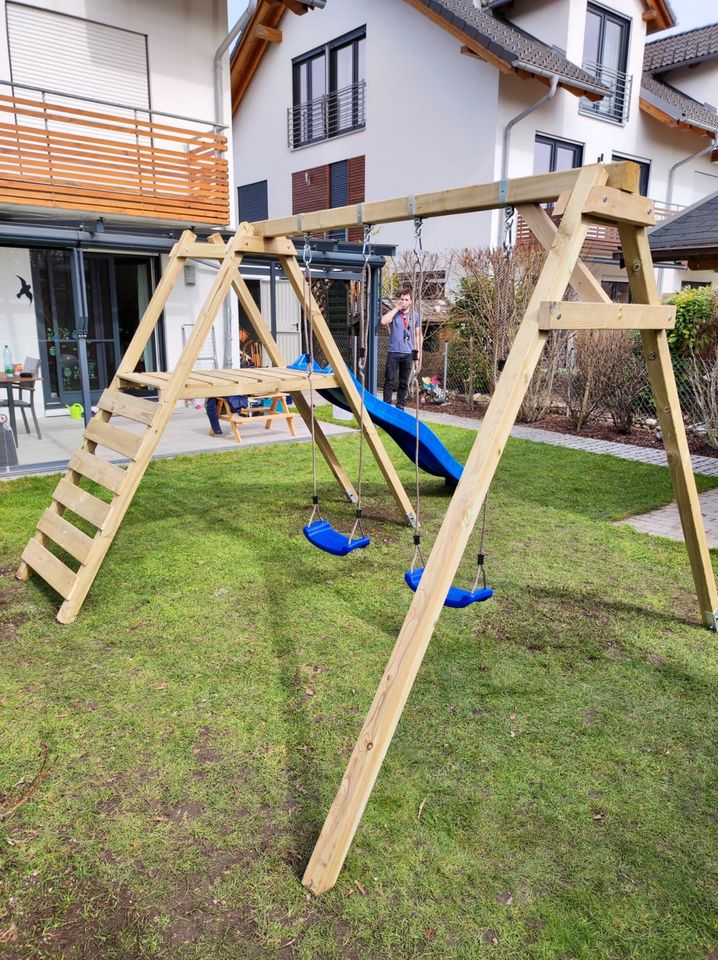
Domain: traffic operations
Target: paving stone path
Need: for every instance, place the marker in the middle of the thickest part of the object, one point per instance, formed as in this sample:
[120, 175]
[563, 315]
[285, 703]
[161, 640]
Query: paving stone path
[660, 523]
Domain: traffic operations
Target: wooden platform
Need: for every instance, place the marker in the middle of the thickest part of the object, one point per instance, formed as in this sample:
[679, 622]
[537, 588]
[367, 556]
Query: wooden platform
[227, 383]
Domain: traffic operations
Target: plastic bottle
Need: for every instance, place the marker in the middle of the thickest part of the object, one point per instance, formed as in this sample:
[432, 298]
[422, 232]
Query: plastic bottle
[7, 361]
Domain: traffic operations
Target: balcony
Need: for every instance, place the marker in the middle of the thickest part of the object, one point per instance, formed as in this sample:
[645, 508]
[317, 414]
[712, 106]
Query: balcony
[616, 107]
[76, 154]
[333, 115]
[602, 242]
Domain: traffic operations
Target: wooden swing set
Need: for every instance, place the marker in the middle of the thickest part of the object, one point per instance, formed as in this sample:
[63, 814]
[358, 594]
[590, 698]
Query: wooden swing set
[600, 193]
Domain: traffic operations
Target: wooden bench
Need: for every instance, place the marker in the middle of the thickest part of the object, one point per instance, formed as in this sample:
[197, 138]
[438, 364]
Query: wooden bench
[276, 410]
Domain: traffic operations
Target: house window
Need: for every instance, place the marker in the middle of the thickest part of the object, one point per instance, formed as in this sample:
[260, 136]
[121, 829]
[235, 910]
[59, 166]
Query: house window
[551, 154]
[618, 290]
[330, 185]
[645, 171]
[329, 86]
[253, 202]
[605, 56]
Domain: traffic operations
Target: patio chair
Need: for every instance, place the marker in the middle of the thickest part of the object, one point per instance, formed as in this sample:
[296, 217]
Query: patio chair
[24, 395]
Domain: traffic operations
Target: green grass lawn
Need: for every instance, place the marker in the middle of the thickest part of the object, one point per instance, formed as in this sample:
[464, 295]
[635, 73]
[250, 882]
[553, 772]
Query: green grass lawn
[550, 791]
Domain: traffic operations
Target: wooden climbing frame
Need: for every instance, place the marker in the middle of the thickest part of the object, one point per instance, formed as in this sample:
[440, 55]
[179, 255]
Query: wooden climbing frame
[603, 193]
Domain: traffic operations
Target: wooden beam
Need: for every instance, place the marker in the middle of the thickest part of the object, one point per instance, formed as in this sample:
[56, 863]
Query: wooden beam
[703, 263]
[247, 244]
[271, 34]
[639, 267]
[544, 188]
[616, 206]
[568, 315]
[376, 734]
[586, 285]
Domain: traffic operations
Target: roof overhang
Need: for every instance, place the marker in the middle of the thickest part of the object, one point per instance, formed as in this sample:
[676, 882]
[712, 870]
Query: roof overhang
[658, 15]
[474, 47]
[671, 114]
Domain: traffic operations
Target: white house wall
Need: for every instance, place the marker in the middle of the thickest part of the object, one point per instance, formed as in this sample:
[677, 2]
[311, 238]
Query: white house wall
[18, 328]
[413, 71]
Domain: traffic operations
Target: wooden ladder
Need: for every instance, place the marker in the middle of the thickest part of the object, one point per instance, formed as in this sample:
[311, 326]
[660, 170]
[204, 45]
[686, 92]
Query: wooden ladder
[106, 514]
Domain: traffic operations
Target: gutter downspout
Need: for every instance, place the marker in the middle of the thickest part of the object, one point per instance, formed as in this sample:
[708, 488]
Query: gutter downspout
[509, 127]
[669, 194]
[222, 49]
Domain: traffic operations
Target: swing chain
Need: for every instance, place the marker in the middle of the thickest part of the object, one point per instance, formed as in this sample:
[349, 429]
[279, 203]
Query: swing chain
[418, 555]
[481, 556]
[309, 342]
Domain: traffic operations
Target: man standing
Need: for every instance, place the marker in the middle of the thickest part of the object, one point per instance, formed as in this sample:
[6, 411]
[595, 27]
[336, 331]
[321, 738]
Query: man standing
[404, 338]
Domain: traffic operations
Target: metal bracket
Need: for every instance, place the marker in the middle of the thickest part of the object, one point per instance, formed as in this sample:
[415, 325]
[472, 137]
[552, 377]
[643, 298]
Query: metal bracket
[411, 204]
[711, 619]
[360, 213]
[503, 192]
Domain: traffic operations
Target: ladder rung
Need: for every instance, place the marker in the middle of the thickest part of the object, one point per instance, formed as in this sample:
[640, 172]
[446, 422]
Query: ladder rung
[65, 535]
[82, 503]
[47, 566]
[121, 441]
[125, 405]
[89, 465]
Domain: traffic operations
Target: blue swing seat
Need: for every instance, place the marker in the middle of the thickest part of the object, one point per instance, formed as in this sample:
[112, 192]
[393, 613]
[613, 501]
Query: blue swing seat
[321, 534]
[457, 596]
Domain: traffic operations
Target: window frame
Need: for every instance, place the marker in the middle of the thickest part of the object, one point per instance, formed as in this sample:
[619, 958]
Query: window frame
[620, 99]
[329, 115]
[574, 145]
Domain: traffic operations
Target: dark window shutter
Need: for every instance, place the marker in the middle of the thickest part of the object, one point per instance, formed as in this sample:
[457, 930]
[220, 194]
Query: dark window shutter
[339, 184]
[357, 167]
[310, 189]
[253, 202]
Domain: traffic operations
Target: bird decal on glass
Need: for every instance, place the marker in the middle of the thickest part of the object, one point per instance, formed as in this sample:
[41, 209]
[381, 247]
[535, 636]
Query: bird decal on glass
[25, 290]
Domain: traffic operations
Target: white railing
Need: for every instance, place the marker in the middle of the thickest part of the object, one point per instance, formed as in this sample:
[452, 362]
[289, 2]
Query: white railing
[616, 106]
[336, 113]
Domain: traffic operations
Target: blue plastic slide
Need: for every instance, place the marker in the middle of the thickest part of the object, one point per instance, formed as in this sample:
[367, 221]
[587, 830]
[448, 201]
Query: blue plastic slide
[434, 458]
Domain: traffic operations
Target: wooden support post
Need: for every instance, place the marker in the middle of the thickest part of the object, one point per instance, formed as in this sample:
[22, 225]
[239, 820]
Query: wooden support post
[115, 511]
[365, 762]
[639, 266]
[304, 408]
[333, 355]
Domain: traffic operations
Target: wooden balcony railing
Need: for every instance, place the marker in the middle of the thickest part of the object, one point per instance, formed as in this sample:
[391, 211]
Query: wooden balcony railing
[601, 242]
[115, 160]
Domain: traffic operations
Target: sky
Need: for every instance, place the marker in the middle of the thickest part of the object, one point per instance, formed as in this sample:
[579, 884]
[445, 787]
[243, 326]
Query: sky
[689, 13]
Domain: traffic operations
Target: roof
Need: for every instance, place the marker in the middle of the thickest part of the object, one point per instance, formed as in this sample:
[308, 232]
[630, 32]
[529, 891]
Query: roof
[488, 36]
[505, 44]
[690, 235]
[682, 49]
[658, 14]
[675, 108]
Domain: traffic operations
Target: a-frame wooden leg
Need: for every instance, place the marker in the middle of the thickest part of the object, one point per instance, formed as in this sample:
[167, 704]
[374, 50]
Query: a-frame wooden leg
[356, 786]
[333, 355]
[304, 408]
[639, 266]
[74, 586]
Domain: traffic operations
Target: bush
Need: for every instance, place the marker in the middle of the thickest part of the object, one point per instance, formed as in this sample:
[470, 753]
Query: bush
[696, 329]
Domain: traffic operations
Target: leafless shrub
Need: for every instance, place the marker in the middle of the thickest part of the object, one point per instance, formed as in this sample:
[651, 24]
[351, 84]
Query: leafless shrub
[703, 375]
[623, 377]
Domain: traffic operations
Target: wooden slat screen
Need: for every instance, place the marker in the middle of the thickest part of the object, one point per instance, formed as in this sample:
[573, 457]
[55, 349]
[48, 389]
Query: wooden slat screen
[66, 157]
